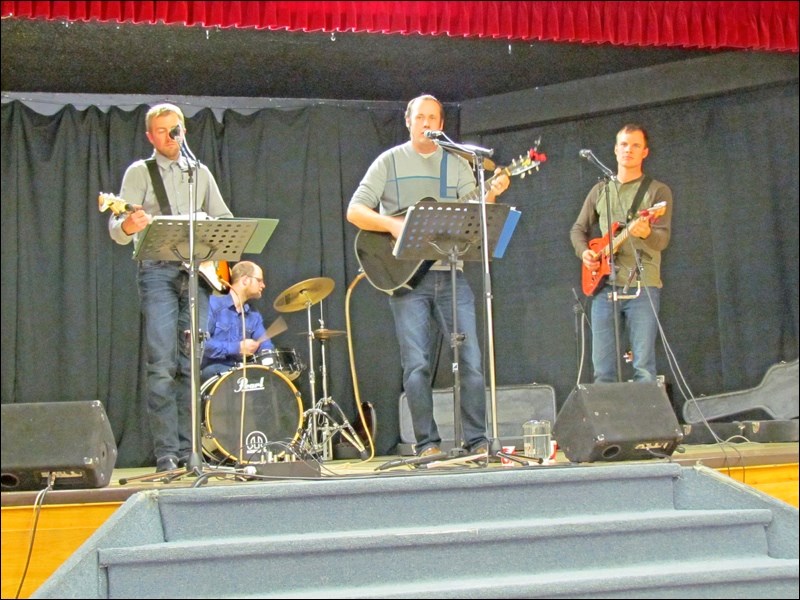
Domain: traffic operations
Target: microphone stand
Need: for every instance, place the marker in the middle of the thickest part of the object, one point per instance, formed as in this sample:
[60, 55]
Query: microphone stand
[612, 275]
[479, 155]
[195, 461]
[608, 177]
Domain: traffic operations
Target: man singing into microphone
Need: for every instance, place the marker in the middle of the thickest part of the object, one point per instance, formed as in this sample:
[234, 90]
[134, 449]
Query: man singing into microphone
[637, 277]
[399, 178]
[160, 185]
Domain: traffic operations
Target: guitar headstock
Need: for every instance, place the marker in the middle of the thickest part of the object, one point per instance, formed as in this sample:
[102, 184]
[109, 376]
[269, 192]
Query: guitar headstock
[654, 212]
[116, 204]
[526, 162]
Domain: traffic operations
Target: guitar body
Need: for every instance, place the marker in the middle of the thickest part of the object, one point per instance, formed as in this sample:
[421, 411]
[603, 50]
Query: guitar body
[607, 245]
[385, 272]
[592, 282]
[216, 274]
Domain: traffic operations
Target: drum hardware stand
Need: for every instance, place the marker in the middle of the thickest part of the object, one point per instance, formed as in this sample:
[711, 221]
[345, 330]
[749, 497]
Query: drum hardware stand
[225, 239]
[324, 426]
[433, 229]
[301, 296]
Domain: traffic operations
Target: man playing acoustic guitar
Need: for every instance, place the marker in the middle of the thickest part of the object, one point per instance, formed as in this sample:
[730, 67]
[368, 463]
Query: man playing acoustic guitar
[641, 209]
[399, 178]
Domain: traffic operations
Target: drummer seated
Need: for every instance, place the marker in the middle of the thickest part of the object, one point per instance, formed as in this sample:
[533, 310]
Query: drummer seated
[235, 330]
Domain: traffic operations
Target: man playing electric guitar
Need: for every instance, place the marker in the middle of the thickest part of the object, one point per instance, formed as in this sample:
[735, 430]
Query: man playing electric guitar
[637, 275]
[396, 180]
[160, 186]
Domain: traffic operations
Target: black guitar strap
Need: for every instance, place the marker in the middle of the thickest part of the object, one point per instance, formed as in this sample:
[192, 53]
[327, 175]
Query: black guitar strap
[158, 186]
[637, 199]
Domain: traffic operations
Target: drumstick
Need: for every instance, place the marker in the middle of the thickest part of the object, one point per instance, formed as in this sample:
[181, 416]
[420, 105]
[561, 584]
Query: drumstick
[278, 326]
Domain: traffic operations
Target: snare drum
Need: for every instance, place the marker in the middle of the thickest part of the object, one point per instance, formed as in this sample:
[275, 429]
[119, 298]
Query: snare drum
[246, 410]
[284, 360]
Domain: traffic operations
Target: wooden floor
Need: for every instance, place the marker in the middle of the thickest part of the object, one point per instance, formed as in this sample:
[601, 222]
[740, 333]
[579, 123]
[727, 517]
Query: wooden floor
[68, 517]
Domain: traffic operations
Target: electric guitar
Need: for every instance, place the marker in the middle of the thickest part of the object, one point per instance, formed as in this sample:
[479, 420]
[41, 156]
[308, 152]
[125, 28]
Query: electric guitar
[591, 281]
[374, 249]
[215, 273]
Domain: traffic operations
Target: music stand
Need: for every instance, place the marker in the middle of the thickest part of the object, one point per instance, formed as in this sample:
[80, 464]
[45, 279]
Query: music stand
[167, 238]
[452, 229]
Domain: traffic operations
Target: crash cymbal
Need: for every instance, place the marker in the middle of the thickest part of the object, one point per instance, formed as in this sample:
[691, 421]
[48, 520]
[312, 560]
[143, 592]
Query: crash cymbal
[326, 334]
[305, 293]
[488, 164]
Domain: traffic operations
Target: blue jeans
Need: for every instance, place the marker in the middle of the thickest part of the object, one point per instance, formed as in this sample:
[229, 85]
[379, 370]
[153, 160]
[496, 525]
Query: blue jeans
[414, 314]
[639, 320]
[164, 297]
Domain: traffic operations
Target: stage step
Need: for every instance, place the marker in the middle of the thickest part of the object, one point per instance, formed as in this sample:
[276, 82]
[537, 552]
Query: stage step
[621, 530]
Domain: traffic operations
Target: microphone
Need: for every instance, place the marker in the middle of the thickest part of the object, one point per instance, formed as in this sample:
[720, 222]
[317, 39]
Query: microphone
[589, 155]
[176, 133]
[433, 134]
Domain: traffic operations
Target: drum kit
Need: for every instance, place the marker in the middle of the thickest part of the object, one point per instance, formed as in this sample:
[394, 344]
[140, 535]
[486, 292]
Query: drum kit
[270, 426]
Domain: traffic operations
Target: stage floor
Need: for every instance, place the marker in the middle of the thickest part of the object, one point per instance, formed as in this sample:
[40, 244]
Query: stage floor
[734, 460]
[69, 517]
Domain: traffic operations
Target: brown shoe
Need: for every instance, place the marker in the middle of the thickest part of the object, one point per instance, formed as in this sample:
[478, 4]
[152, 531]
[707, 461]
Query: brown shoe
[430, 451]
[482, 448]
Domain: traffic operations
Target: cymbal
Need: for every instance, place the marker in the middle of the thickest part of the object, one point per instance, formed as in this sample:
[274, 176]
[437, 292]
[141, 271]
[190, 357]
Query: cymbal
[326, 334]
[305, 293]
[488, 164]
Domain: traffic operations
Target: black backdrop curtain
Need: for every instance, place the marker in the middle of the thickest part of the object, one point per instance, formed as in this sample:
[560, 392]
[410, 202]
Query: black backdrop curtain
[71, 312]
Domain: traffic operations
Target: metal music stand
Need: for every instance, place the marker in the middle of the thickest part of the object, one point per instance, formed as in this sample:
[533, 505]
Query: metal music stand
[434, 230]
[167, 238]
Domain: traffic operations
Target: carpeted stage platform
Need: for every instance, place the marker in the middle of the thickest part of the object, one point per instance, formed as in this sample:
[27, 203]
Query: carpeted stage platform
[69, 517]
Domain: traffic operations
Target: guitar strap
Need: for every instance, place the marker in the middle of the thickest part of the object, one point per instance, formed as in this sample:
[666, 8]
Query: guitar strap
[158, 186]
[637, 199]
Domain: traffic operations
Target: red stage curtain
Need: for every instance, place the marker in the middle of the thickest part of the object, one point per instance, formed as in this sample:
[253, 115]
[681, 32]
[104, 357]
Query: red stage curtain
[753, 25]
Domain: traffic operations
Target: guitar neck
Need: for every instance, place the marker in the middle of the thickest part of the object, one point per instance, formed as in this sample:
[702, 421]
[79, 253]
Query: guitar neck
[476, 194]
[619, 239]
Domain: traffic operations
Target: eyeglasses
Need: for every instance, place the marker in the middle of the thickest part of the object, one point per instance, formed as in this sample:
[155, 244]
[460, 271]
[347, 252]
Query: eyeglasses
[259, 279]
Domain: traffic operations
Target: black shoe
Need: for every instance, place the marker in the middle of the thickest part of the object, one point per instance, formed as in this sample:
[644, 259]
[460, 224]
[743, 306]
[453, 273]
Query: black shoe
[166, 463]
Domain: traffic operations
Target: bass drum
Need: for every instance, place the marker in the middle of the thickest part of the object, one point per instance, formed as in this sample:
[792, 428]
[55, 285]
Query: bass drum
[249, 414]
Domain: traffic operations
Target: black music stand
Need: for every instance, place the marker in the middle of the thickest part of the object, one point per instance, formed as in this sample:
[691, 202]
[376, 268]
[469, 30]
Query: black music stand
[167, 238]
[434, 230]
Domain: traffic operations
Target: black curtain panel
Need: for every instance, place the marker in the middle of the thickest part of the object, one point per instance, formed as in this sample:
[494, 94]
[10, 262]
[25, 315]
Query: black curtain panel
[71, 322]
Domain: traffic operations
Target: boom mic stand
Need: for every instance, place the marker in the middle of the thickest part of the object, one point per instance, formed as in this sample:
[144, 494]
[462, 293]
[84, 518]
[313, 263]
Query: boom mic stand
[608, 177]
[480, 161]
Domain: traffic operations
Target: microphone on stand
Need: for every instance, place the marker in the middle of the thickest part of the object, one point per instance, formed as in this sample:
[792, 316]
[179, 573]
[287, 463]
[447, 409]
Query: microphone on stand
[177, 132]
[433, 134]
[589, 155]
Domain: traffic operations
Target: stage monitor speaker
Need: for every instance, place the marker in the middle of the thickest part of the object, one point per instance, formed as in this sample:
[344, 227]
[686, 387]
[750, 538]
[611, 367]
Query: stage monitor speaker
[617, 421]
[71, 442]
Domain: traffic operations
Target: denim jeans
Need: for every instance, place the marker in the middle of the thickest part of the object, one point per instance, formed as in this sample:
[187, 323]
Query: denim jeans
[639, 320]
[164, 297]
[414, 314]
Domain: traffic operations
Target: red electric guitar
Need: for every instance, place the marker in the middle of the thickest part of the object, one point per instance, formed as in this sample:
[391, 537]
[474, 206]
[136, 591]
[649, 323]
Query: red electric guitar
[591, 281]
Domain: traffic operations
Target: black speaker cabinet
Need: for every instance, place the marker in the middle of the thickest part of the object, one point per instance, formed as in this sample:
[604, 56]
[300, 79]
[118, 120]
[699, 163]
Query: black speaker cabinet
[617, 421]
[70, 441]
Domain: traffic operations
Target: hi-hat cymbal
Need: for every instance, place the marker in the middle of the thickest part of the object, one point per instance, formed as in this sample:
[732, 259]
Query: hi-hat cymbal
[305, 293]
[326, 334]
